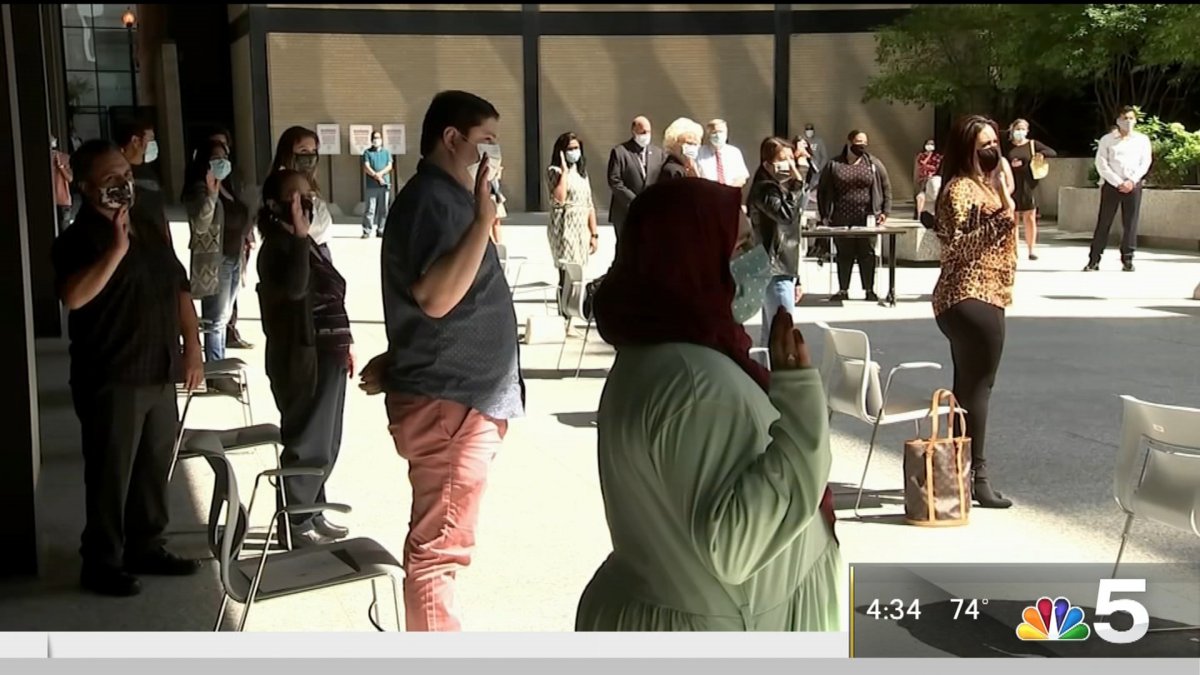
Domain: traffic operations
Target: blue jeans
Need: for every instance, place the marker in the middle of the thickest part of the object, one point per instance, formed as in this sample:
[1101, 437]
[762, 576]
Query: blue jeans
[375, 209]
[781, 292]
[216, 309]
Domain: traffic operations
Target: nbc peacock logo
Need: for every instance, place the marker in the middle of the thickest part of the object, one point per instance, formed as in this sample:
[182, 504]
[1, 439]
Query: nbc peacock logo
[1053, 620]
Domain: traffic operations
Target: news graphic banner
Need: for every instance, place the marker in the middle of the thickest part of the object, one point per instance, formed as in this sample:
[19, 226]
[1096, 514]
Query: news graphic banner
[1011, 610]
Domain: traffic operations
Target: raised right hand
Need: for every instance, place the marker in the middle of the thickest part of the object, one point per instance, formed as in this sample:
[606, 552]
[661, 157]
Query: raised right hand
[300, 223]
[485, 206]
[787, 348]
[211, 182]
[121, 231]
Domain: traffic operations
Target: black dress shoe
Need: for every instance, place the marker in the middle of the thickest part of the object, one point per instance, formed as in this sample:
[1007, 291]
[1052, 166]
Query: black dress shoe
[1033, 256]
[162, 563]
[840, 296]
[1092, 267]
[1128, 266]
[872, 296]
[109, 581]
[328, 529]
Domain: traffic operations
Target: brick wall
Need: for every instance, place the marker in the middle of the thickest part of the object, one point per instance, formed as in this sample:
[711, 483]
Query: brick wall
[828, 75]
[385, 79]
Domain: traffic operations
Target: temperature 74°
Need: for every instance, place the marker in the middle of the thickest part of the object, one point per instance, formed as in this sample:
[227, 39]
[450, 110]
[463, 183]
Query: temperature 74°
[969, 607]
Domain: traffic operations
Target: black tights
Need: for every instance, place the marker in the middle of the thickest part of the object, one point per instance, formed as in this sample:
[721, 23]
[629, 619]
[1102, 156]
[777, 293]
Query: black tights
[856, 249]
[976, 333]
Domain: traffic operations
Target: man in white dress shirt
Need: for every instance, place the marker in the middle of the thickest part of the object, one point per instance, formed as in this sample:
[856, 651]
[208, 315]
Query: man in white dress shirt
[719, 161]
[1122, 161]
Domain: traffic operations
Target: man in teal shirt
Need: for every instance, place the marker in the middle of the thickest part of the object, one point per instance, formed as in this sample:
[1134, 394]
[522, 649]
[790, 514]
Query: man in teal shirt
[377, 179]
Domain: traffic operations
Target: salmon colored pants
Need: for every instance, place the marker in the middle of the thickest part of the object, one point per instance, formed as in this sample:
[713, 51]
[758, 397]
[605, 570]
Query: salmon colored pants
[449, 448]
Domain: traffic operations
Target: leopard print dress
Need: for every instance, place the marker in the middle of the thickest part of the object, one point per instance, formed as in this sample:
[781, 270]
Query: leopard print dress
[979, 247]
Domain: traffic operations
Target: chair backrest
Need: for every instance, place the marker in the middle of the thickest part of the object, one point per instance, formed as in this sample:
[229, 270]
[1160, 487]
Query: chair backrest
[226, 538]
[572, 296]
[1158, 463]
[850, 377]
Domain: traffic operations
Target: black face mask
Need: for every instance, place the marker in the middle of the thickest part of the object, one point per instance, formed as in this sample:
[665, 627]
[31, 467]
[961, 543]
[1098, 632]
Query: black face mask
[989, 158]
[304, 163]
[858, 150]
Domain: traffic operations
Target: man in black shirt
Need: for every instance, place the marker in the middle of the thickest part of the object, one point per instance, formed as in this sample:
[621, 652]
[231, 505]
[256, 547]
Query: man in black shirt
[129, 304]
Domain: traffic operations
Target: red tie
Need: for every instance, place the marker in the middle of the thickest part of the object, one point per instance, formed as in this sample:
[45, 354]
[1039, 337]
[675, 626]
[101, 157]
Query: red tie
[720, 169]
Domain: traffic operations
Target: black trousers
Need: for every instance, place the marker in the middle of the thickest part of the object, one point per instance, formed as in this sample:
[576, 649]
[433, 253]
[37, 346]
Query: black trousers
[1131, 207]
[312, 434]
[851, 250]
[128, 435]
[975, 330]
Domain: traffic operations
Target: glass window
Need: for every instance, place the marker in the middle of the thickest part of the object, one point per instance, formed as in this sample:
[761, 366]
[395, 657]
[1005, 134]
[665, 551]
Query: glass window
[81, 89]
[109, 16]
[88, 126]
[116, 89]
[78, 48]
[72, 15]
[112, 49]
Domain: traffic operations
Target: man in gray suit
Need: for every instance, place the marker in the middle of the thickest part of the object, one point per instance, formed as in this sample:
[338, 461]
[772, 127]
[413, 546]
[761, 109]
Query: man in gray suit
[633, 166]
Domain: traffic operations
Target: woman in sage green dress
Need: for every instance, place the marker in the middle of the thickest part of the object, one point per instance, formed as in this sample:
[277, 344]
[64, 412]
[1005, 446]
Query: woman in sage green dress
[713, 470]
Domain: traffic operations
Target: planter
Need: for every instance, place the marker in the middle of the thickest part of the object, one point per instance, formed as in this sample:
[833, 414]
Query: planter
[1169, 218]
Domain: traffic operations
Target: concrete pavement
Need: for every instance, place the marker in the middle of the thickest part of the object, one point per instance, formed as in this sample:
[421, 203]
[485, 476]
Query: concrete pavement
[1075, 341]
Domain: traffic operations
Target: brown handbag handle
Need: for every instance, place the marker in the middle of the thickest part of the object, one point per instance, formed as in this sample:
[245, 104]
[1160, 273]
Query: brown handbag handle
[938, 396]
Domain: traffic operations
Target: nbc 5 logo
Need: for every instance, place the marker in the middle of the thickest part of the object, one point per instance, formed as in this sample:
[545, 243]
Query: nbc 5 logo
[1058, 620]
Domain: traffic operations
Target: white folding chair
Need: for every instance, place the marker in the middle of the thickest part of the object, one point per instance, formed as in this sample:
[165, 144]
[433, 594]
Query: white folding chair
[511, 262]
[251, 579]
[852, 388]
[1158, 467]
[570, 304]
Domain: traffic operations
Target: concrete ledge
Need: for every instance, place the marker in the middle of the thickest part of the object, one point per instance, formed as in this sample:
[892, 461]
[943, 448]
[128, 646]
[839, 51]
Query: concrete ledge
[918, 246]
[1168, 217]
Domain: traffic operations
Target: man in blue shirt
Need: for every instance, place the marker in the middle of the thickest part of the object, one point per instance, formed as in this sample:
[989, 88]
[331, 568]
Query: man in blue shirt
[377, 180]
[452, 372]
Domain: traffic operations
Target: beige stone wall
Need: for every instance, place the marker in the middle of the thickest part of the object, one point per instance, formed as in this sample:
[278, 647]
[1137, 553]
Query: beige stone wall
[828, 75]
[412, 6]
[385, 79]
[630, 7]
[243, 111]
[594, 86]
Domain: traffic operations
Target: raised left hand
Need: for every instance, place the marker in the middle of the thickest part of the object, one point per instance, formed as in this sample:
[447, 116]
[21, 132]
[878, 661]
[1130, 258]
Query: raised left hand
[881, 219]
[193, 368]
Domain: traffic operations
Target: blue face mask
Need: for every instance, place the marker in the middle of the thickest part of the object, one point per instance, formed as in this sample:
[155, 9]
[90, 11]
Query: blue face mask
[151, 152]
[751, 272]
[573, 156]
[221, 168]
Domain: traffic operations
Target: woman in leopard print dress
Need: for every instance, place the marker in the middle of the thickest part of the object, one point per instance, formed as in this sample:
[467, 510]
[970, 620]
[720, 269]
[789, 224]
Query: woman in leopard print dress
[978, 234]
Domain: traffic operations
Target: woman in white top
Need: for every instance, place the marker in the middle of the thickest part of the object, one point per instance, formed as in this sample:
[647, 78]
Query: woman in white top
[298, 150]
[573, 233]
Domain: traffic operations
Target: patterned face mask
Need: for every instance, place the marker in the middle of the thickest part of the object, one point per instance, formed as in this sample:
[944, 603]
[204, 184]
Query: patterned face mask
[117, 196]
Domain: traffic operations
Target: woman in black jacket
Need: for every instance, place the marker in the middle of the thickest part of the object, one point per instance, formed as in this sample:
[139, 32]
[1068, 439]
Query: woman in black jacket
[775, 205]
[308, 350]
[853, 187]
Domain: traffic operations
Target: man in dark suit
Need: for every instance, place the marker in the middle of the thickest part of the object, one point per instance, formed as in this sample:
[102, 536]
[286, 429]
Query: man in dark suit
[633, 166]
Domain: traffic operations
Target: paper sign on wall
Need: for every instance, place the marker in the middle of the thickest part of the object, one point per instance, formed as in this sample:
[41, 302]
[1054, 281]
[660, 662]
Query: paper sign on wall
[395, 139]
[360, 138]
[330, 136]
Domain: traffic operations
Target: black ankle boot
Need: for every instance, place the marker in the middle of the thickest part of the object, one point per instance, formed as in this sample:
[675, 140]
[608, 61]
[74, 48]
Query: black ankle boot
[986, 497]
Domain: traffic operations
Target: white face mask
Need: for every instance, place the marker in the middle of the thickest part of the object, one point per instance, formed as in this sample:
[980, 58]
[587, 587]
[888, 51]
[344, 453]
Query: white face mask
[1126, 125]
[718, 138]
[573, 155]
[642, 140]
[691, 150]
[151, 152]
[1019, 135]
[783, 167]
[929, 148]
[810, 132]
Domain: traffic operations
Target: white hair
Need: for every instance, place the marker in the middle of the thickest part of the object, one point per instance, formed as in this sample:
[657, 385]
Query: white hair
[672, 137]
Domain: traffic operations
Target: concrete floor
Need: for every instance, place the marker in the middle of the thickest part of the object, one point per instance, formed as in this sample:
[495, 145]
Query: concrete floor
[1074, 343]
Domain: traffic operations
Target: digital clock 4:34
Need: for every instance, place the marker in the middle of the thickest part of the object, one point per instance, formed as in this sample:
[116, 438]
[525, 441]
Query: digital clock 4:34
[894, 610]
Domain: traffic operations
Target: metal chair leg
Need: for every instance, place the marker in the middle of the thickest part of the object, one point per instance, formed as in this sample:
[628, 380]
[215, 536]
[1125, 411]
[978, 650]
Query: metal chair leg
[245, 615]
[396, 602]
[866, 465]
[247, 407]
[221, 611]
[563, 350]
[583, 350]
[187, 404]
[1124, 540]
